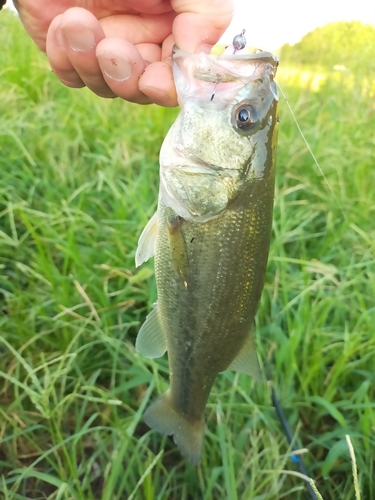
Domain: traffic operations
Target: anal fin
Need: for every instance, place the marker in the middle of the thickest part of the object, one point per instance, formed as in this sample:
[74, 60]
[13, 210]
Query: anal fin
[147, 241]
[151, 341]
[247, 361]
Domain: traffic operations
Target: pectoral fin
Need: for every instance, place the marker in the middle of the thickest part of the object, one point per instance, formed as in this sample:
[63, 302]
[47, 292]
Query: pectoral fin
[147, 241]
[179, 251]
[247, 361]
[151, 341]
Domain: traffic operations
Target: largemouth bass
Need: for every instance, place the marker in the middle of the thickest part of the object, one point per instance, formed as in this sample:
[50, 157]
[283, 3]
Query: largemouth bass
[211, 233]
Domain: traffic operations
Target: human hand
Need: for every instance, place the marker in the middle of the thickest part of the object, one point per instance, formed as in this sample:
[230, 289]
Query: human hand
[122, 48]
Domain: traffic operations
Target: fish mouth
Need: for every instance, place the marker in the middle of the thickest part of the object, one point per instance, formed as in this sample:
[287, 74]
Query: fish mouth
[226, 67]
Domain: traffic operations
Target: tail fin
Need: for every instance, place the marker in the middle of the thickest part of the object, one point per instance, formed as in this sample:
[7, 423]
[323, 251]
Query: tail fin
[187, 434]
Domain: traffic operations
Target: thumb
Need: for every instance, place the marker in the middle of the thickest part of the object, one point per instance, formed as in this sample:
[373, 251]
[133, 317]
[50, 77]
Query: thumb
[200, 22]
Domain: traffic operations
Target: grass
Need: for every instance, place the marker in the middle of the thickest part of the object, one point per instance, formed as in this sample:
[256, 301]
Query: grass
[79, 180]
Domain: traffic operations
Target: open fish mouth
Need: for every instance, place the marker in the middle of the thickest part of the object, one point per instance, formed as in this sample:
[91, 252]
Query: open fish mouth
[228, 68]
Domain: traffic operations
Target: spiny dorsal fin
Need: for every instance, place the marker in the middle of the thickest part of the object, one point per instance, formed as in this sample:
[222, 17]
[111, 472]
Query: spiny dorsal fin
[147, 241]
[247, 361]
[151, 341]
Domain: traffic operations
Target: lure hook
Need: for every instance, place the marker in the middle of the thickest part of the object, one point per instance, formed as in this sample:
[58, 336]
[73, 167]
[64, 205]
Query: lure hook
[239, 43]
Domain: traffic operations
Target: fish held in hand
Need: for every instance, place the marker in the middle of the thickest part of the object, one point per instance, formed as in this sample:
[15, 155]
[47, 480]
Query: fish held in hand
[211, 233]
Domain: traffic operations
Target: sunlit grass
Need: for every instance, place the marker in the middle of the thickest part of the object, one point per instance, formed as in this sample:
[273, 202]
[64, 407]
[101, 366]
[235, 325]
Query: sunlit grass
[79, 182]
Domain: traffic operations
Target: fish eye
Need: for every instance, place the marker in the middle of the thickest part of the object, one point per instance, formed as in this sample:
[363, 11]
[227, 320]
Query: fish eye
[244, 116]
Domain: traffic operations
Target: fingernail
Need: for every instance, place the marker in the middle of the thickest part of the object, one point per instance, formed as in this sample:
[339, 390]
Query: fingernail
[154, 93]
[204, 48]
[80, 38]
[159, 96]
[114, 66]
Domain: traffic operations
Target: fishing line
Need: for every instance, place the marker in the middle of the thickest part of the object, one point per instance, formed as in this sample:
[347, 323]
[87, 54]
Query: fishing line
[239, 42]
[289, 435]
[304, 138]
[309, 149]
[275, 401]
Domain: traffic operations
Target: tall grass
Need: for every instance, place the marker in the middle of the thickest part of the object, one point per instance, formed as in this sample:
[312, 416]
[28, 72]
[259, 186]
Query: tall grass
[79, 180]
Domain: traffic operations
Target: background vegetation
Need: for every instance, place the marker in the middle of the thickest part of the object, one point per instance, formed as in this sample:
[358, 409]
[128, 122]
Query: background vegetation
[79, 180]
[349, 44]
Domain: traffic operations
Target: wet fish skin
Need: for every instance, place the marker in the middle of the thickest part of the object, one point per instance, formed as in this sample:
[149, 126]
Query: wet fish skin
[213, 230]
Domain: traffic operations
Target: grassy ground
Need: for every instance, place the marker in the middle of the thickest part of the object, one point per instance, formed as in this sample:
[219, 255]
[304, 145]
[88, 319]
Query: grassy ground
[79, 180]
